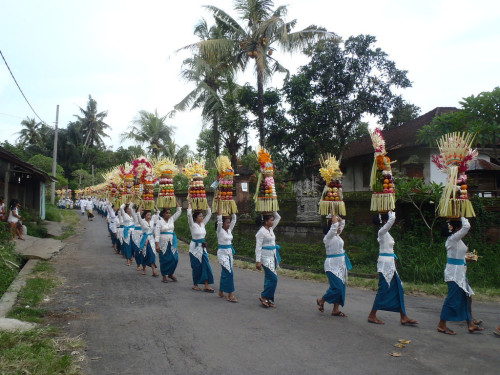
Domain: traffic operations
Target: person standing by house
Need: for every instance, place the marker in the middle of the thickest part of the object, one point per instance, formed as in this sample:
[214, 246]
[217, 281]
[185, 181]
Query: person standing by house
[456, 304]
[166, 243]
[16, 226]
[390, 295]
[225, 252]
[336, 266]
[200, 264]
[267, 256]
[3, 210]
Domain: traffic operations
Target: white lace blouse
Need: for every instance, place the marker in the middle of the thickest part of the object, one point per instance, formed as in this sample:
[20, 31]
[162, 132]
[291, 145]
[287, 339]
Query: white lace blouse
[198, 232]
[334, 245]
[166, 226]
[147, 227]
[265, 237]
[456, 249]
[386, 264]
[224, 237]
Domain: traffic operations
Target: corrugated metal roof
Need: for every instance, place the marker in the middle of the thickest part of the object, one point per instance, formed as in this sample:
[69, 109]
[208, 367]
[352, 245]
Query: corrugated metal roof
[10, 157]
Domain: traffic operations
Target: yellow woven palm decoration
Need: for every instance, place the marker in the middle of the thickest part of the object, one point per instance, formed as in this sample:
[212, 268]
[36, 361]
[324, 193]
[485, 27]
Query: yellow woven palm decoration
[195, 171]
[266, 198]
[382, 181]
[166, 169]
[332, 197]
[224, 187]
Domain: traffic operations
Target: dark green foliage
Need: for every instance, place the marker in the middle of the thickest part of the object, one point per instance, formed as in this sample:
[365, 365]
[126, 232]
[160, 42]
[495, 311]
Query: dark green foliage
[52, 213]
[8, 271]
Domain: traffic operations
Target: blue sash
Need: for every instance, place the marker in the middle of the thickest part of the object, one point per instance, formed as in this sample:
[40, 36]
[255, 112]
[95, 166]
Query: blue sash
[137, 228]
[347, 260]
[277, 247]
[174, 240]
[121, 226]
[456, 262]
[227, 247]
[125, 231]
[388, 255]
[198, 242]
[144, 238]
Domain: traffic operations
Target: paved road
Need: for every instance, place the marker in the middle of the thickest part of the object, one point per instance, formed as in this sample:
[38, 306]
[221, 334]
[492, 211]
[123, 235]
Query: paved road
[135, 324]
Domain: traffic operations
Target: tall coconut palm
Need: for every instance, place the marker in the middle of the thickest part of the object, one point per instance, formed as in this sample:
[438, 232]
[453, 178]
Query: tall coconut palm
[207, 71]
[174, 151]
[92, 125]
[263, 31]
[151, 130]
[31, 135]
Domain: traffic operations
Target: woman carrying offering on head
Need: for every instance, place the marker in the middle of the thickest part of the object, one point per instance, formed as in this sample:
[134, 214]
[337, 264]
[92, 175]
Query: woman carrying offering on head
[225, 226]
[200, 265]
[148, 256]
[166, 242]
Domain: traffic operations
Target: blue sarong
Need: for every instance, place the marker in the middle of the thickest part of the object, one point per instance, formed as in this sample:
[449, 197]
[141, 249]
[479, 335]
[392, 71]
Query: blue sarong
[336, 291]
[127, 249]
[270, 284]
[227, 280]
[150, 257]
[390, 298]
[456, 304]
[168, 261]
[201, 271]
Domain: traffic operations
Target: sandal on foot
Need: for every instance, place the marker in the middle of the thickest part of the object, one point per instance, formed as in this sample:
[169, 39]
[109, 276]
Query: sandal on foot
[446, 331]
[410, 322]
[165, 281]
[221, 294]
[477, 321]
[198, 289]
[476, 328]
[340, 313]
[209, 290]
[321, 306]
[271, 304]
[264, 302]
[375, 321]
[233, 300]
[172, 277]
[496, 332]
[155, 275]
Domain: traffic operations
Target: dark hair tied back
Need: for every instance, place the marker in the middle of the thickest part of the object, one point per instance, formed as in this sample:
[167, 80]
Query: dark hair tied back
[164, 211]
[196, 214]
[378, 219]
[261, 220]
[449, 227]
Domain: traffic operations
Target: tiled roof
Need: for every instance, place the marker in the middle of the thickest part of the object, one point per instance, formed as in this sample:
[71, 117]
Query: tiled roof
[483, 165]
[10, 157]
[400, 137]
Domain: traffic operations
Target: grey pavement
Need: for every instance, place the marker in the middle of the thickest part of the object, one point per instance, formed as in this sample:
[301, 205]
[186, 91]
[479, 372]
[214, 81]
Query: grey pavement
[135, 324]
[38, 248]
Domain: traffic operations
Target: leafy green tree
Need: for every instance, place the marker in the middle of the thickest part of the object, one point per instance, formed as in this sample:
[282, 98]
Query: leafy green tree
[205, 146]
[45, 164]
[402, 113]
[180, 154]
[83, 178]
[329, 96]
[151, 130]
[92, 126]
[263, 30]
[31, 133]
[208, 71]
[17, 150]
[479, 114]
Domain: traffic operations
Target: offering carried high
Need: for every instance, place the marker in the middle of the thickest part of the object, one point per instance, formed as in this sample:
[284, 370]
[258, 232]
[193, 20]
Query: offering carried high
[167, 170]
[195, 171]
[266, 199]
[456, 155]
[332, 202]
[382, 181]
[224, 187]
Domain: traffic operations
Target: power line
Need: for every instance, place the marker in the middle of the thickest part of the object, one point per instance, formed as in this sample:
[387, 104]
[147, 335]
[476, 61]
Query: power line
[19, 87]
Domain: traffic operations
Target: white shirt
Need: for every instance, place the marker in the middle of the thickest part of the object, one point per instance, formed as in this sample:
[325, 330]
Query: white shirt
[12, 218]
[456, 249]
[112, 219]
[265, 237]
[334, 244]
[224, 237]
[89, 205]
[386, 264]
[126, 221]
[198, 232]
[147, 227]
[166, 226]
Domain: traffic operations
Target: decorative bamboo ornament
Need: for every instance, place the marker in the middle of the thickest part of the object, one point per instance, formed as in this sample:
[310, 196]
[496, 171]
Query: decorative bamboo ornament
[382, 181]
[224, 187]
[266, 199]
[332, 199]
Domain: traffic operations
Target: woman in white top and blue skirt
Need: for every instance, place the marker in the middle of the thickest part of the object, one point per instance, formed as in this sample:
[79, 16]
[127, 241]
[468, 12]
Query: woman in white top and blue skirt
[336, 266]
[200, 265]
[128, 227]
[166, 243]
[225, 253]
[112, 226]
[148, 254]
[456, 304]
[268, 257]
[390, 295]
[136, 239]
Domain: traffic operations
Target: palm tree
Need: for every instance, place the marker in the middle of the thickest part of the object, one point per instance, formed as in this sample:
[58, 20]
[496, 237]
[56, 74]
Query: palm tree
[180, 154]
[208, 72]
[92, 125]
[264, 29]
[150, 129]
[31, 135]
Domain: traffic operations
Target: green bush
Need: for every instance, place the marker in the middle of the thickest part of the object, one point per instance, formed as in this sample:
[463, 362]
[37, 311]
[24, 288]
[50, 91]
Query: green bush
[52, 213]
[8, 259]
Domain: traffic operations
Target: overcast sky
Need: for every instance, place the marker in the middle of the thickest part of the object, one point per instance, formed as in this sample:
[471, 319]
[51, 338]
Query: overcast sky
[123, 53]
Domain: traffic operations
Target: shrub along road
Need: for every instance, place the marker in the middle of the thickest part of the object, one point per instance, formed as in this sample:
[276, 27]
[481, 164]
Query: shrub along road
[136, 324]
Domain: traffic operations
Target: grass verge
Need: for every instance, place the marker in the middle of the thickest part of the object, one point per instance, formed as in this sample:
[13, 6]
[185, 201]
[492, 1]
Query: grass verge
[70, 220]
[38, 285]
[40, 351]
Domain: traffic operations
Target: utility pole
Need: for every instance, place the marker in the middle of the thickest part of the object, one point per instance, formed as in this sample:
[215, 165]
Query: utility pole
[54, 161]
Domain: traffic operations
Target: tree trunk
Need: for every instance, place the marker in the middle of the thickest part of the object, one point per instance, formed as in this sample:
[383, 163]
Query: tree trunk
[260, 105]
[216, 135]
